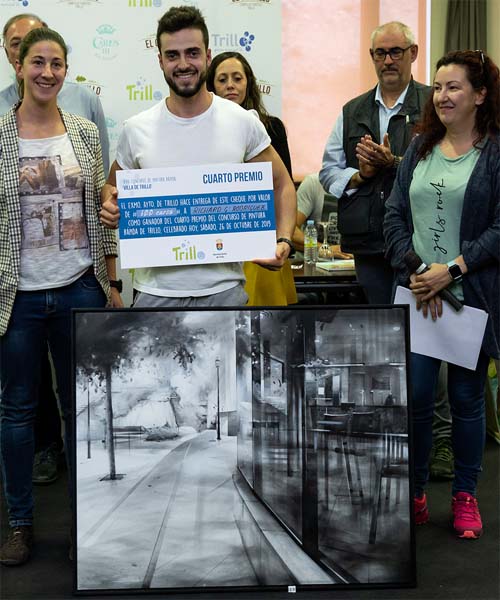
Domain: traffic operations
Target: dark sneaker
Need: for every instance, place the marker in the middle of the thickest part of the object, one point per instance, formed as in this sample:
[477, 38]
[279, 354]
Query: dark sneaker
[420, 510]
[442, 461]
[466, 518]
[45, 466]
[17, 548]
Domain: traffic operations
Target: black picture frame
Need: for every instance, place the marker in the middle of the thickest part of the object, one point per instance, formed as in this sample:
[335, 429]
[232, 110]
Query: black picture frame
[228, 470]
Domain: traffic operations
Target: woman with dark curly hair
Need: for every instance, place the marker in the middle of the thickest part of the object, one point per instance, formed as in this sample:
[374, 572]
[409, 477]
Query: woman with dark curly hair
[230, 76]
[445, 206]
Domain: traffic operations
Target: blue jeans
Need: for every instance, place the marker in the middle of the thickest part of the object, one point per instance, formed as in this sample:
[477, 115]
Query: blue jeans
[38, 318]
[466, 396]
[441, 422]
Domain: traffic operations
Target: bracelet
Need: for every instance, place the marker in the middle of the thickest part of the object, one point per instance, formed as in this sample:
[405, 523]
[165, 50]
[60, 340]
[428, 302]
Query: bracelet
[397, 161]
[363, 178]
[289, 242]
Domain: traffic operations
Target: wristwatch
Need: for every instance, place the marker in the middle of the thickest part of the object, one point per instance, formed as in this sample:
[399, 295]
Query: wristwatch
[116, 283]
[455, 271]
[289, 242]
[397, 162]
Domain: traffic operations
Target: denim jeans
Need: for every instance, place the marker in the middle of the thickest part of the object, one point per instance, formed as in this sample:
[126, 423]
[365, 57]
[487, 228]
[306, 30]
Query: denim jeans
[466, 396]
[38, 318]
[441, 422]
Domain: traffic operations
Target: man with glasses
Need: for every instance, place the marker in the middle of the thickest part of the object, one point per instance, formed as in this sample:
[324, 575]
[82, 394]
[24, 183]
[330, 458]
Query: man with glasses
[359, 167]
[364, 150]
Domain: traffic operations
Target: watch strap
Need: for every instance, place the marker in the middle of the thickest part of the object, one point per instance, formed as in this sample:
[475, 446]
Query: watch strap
[117, 284]
[290, 243]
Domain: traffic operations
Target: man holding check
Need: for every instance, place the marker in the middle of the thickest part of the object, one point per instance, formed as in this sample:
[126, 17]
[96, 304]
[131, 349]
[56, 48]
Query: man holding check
[194, 127]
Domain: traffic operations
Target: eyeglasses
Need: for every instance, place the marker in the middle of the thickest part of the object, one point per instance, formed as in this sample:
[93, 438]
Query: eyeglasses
[396, 53]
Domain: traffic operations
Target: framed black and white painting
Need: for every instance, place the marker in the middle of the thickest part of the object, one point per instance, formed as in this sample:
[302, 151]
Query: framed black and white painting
[233, 449]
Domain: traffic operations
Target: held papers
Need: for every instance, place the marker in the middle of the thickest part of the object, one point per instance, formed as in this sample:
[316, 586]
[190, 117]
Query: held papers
[455, 337]
[196, 215]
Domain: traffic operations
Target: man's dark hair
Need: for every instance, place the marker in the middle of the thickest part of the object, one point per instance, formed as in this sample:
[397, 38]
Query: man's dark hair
[182, 17]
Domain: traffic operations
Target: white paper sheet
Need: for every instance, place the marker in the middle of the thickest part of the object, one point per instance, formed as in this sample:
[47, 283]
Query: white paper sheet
[455, 337]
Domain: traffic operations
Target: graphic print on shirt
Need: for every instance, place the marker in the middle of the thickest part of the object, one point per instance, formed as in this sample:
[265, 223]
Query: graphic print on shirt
[438, 228]
[51, 204]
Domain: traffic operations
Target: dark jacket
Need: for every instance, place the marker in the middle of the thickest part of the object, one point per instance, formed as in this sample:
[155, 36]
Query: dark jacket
[479, 234]
[361, 214]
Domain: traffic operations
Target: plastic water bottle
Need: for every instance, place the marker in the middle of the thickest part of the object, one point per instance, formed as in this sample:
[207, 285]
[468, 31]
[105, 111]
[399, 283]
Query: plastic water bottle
[310, 243]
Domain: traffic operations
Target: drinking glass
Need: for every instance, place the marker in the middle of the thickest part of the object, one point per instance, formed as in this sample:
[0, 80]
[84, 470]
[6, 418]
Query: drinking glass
[325, 253]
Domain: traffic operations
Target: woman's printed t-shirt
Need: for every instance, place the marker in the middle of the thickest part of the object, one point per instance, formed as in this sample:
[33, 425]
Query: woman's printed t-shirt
[436, 198]
[55, 247]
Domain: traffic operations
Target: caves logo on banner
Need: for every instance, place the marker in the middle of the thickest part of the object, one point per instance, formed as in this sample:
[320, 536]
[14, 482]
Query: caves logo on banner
[105, 43]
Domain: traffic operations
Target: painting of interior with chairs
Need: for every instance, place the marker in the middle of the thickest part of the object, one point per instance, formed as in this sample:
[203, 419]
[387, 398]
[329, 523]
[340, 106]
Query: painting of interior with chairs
[323, 437]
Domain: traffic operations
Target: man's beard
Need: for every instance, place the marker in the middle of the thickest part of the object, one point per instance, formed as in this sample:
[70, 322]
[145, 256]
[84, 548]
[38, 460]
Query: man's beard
[187, 92]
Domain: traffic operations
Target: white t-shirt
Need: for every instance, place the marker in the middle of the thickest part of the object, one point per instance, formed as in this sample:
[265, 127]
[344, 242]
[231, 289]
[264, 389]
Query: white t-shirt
[310, 197]
[224, 133]
[55, 247]
[315, 204]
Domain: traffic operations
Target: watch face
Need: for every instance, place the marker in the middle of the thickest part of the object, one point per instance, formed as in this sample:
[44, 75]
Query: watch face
[455, 271]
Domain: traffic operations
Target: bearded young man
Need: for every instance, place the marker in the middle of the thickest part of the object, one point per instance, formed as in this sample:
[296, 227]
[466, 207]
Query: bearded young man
[193, 127]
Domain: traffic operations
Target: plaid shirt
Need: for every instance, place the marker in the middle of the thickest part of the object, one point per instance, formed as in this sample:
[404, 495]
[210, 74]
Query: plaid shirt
[84, 138]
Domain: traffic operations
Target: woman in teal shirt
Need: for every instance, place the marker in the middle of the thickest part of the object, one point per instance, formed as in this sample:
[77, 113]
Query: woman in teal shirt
[445, 206]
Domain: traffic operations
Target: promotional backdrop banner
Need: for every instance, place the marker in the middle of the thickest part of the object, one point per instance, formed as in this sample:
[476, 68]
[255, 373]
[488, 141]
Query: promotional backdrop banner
[113, 48]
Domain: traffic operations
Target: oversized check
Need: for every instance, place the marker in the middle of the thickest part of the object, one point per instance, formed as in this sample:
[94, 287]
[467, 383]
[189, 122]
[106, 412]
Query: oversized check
[196, 215]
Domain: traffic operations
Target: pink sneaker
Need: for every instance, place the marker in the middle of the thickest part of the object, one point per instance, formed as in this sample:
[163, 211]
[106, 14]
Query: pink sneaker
[466, 518]
[420, 510]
